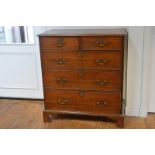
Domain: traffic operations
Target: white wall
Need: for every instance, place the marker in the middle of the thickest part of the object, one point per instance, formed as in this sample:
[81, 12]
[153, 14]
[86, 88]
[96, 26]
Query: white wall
[83, 27]
[150, 74]
[134, 70]
[141, 101]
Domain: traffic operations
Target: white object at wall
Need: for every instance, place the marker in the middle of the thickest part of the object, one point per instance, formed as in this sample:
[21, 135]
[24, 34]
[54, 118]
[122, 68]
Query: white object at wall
[20, 69]
[134, 69]
[151, 72]
[141, 84]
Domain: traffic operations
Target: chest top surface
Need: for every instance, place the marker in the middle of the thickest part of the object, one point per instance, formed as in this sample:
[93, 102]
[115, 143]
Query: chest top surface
[85, 32]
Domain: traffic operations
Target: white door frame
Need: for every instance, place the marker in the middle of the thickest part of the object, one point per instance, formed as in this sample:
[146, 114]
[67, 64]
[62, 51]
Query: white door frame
[145, 95]
[29, 86]
[148, 91]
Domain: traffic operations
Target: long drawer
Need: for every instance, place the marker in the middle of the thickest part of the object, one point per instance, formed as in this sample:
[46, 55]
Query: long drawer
[108, 60]
[86, 101]
[83, 79]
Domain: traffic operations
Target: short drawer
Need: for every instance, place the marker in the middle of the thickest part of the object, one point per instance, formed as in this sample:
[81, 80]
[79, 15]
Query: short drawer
[102, 43]
[91, 102]
[59, 43]
[83, 79]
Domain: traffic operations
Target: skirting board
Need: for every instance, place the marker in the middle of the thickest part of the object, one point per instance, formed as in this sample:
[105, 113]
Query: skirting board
[135, 112]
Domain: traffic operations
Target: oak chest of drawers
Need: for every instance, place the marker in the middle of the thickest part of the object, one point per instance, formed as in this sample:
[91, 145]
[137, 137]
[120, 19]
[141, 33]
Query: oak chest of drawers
[83, 72]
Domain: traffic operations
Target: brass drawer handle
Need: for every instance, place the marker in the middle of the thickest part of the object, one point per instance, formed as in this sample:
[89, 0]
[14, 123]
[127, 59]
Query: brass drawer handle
[61, 80]
[101, 61]
[63, 101]
[60, 61]
[60, 42]
[101, 103]
[101, 82]
[101, 43]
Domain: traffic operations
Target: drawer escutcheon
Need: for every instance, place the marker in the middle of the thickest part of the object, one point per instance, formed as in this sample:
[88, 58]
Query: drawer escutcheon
[60, 42]
[101, 61]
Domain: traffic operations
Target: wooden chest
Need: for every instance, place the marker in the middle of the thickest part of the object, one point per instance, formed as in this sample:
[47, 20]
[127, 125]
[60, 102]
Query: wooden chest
[83, 72]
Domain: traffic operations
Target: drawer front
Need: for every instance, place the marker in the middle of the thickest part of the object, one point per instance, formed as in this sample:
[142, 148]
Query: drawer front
[90, 101]
[61, 60]
[83, 79]
[59, 43]
[102, 43]
[108, 60]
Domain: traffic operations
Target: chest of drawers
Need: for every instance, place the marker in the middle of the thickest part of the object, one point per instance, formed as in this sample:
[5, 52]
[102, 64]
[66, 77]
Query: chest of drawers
[83, 72]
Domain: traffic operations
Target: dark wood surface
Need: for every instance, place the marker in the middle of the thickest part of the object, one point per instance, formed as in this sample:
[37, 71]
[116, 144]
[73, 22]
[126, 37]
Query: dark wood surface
[83, 72]
[87, 79]
[59, 43]
[102, 43]
[61, 60]
[95, 60]
[87, 101]
[85, 32]
[82, 60]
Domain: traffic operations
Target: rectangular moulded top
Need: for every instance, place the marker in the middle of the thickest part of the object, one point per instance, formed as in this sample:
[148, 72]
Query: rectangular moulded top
[85, 32]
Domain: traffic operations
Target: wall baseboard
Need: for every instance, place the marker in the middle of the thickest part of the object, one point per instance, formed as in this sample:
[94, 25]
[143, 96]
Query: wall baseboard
[136, 112]
[143, 113]
[131, 112]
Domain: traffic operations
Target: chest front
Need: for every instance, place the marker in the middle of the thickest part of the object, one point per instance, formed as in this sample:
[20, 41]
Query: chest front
[83, 75]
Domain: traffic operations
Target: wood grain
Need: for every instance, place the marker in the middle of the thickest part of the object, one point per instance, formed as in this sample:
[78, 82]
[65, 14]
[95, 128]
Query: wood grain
[102, 43]
[59, 43]
[21, 114]
[61, 60]
[90, 92]
[83, 79]
[93, 102]
[114, 60]
[27, 114]
[81, 59]
[150, 121]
